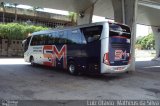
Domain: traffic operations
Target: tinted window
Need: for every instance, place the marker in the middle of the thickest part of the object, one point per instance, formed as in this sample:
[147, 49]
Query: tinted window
[55, 38]
[92, 33]
[26, 44]
[50, 39]
[45, 38]
[119, 30]
[28, 40]
[38, 40]
[62, 37]
[34, 41]
[74, 37]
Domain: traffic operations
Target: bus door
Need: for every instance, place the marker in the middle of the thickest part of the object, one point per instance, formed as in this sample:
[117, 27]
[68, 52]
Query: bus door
[119, 44]
[93, 47]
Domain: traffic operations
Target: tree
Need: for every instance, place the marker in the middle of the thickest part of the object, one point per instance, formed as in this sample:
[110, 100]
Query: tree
[146, 42]
[3, 31]
[15, 6]
[35, 12]
[73, 17]
[15, 31]
[4, 10]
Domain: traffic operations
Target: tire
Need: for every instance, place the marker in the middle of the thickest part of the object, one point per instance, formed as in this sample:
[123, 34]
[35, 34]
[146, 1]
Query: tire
[32, 61]
[72, 68]
[129, 72]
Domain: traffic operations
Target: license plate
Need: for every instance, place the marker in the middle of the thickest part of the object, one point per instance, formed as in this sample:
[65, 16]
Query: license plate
[119, 68]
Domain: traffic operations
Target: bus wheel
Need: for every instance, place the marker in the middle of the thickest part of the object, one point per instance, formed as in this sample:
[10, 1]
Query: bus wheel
[129, 72]
[32, 61]
[72, 68]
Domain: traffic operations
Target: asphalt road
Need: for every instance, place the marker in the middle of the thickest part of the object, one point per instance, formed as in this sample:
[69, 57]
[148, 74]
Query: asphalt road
[20, 81]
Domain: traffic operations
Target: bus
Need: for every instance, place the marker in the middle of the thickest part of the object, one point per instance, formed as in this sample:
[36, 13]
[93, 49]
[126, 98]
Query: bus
[97, 48]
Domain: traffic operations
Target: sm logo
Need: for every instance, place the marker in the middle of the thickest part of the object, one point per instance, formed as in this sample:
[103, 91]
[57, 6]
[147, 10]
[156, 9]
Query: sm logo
[120, 55]
[52, 54]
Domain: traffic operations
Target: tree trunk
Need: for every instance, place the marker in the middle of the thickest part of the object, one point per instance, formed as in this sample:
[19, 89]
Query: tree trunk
[4, 11]
[15, 12]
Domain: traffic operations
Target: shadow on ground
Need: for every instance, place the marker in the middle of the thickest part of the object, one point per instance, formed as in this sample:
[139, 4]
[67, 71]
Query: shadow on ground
[153, 66]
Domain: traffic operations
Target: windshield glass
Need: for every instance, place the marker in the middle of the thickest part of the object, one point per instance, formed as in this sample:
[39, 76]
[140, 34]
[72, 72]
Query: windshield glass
[25, 43]
[119, 30]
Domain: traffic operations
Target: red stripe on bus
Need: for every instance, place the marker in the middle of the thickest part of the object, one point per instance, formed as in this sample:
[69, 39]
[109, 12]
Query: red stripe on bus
[48, 47]
[47, 63]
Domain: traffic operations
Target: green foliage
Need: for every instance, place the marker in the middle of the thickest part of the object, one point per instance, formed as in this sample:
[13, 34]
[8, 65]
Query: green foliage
[146, 42]
[18, 31]
[73, 16]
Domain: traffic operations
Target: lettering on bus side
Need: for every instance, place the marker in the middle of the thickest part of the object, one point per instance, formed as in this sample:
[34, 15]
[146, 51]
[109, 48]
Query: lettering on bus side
[51, 52]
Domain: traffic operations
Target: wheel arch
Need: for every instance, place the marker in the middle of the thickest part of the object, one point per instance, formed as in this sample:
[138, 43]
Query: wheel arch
[30, 58]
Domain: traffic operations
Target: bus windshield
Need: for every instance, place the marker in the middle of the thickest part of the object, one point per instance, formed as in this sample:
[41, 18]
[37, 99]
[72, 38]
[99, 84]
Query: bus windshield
[25, 43]
[119, 30]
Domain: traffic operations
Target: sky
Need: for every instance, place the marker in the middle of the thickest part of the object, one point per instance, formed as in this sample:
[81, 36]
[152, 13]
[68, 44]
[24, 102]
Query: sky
[141, 30]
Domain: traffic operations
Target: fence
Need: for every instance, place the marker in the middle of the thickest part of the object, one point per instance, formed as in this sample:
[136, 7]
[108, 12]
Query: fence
[51, 24]
[11, 48]
[35, 17]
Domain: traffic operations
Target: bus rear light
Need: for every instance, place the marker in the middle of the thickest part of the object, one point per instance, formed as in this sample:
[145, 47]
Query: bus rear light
[106, 59]
[129, 61]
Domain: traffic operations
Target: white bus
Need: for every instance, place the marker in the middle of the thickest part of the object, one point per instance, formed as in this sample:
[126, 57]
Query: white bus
[98, 48]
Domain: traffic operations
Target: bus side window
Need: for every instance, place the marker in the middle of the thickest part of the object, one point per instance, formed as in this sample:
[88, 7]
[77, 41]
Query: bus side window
[83, 38]
[74, 37]
[37, 40]
[55, 38]
[92, 33]
[92, 38]
[50, 39]
[46, 39]
[34, 41]
[40, 40]
[62, 37]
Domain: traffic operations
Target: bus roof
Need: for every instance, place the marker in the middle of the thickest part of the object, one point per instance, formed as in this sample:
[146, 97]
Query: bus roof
[72, 27]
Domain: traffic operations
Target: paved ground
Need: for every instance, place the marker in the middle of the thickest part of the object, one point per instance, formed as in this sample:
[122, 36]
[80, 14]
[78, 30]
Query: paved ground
[19, 80]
